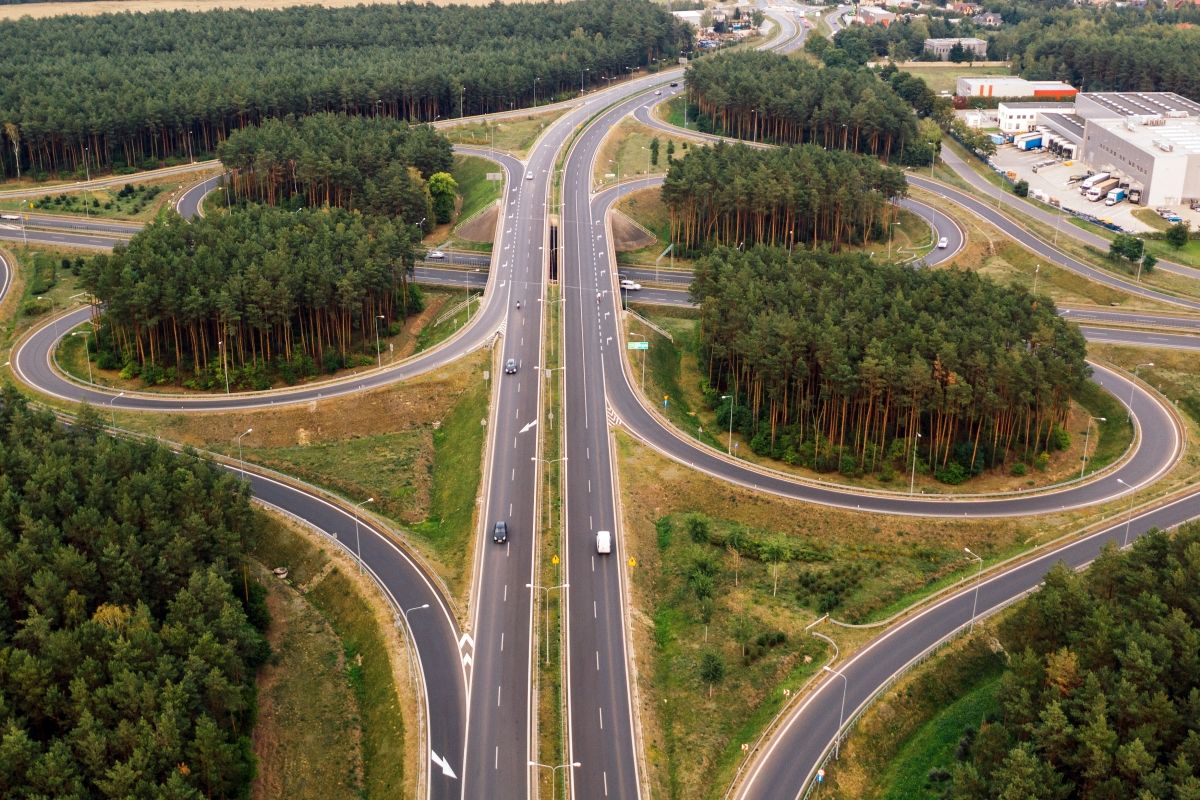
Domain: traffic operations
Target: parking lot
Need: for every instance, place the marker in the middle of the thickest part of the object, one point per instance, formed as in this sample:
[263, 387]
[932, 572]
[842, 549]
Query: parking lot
[1053, 181]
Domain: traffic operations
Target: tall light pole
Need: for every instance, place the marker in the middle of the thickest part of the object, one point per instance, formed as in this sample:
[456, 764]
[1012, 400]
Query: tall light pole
[837, 743]
[241, 460]
[891, 230]
[461, 91]
[1036, 270]
[1086, 437]
[88, 171]
[224, 364]
[378, 357]
[1129, 516]
[912, 480]
[731, 400]
[407, 611]
[975, 605]
[546, 590]
[583, 70]
[535, 83]
[618, 173]
[114, 410]
[553, 770]
[357, 540]
[647, 340]
[87, 354]
[1133, 386]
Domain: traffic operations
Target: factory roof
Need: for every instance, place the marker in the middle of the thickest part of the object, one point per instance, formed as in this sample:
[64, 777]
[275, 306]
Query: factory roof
[1125, 104]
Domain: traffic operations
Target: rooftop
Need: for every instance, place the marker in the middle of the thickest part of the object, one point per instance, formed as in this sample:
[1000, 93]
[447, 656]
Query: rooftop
[1068, 107]
[1127, 104]
[1176, 136]
[1067, 125]
[954, 41]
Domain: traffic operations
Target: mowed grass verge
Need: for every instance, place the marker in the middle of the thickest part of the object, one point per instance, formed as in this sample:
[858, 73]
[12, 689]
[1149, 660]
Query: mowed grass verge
[477, 192]
[360, 750]
[515, 134]
[719, 568]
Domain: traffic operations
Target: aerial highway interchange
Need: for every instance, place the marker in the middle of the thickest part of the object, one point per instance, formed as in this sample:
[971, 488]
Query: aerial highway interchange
[477, 679]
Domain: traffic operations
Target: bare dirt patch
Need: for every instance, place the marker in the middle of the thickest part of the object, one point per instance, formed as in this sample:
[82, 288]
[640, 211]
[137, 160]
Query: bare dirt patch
[481, 227]
[628, 235]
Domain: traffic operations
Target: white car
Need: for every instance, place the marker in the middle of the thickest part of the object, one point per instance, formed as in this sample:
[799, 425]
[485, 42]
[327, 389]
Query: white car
[603, 542]
[436, 254]
[658, 92]
[528, 176]
[10, 216]
[943, 243]
[630, 286]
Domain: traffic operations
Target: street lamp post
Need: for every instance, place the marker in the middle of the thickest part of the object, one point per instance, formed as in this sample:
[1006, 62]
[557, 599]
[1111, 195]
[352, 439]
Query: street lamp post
[1129, 514]
[553, 769]
[618, 174]
[407, 611]
[357, 540]
[113, 410]
[87, 353]
[546, 590]
[583, 70]
[891, 229]
[1086, 437]
[912, 480]
[1036, 271]
[732, 401]
[535, 83]
[837, 743]
[241, 460]
[646, 339]
[975, 604]
[1133, 386]
[87, 155]
[461, 91]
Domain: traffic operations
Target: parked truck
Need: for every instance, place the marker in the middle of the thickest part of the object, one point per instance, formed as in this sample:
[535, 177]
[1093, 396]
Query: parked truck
[1091, 180]
[1115, 196]
[1029, 143]
[1135, 194]
[1101, 189]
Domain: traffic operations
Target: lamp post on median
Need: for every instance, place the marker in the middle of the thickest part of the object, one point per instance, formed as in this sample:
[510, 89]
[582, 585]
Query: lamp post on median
[546, 590]
[912, 480]
[1086, 437]
[87, 353]
[618, 174]
[113, 410]
[975, 604]
[241, 460]
[554, 769]
[357, 540]
[837, 743]
[1133, 386]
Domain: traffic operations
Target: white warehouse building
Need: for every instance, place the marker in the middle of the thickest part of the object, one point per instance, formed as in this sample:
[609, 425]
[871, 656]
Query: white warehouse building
[1021, 117]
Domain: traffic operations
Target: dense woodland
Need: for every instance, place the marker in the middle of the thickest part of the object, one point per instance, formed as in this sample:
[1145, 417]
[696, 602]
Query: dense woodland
[1101, 696]
[837, 363]
[127, 658]
[1095, 49]
[734, 194]
[289, 292]
[132, 89]
[769, 97]
[374, 165]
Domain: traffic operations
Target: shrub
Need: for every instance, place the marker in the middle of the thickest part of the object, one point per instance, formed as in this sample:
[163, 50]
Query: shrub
[952, 474]
[1018, 469]
[1021, 188]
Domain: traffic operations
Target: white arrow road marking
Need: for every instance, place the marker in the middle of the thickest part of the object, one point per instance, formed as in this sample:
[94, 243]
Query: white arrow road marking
[528, 426]
[467, 658]
[443, 763]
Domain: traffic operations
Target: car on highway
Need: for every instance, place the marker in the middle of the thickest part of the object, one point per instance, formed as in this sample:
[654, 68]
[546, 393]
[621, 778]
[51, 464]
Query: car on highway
[658, 91]
[630, 286]
[510, 367]
[943, 243]
[674, 84]
[603, 542]
[9, 216]
[436, 254]
[500, 532]
[528, 176]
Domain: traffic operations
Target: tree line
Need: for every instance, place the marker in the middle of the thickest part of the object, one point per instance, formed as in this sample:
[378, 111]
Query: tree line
[1101, 695]
[772, 98]
[838, 363]
[135, 89]
[259, 288]
[127, 649]
[738, 195]
[374, 165]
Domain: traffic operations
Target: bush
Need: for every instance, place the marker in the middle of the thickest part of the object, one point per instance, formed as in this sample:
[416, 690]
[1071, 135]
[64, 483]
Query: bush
[1177, 235]
[1021, 188]
[1042, 461]
[952, 474]
[698, 528]
[1018, 469]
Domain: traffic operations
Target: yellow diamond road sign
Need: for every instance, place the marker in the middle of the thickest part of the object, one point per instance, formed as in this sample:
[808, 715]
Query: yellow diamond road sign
[554, 559]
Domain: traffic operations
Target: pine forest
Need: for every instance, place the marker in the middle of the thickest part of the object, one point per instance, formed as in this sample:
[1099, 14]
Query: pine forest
[838, 363]
[738, 195]
[127, 653]
[130, 90]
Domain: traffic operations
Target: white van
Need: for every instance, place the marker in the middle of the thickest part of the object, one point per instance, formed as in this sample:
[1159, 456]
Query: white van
[603, 542]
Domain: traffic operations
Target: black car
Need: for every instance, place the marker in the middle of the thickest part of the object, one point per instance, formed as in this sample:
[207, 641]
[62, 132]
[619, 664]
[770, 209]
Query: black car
[674, 84]
[510, 366]
[500, 532]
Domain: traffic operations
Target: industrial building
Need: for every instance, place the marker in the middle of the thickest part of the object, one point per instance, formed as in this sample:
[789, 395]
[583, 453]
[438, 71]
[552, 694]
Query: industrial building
[1022, 117]
[942, 47]
[1004, 86]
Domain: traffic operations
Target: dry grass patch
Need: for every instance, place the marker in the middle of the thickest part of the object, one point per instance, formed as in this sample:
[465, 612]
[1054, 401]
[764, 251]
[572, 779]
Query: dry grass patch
[628, 144]
[869, 565]
[512, 134]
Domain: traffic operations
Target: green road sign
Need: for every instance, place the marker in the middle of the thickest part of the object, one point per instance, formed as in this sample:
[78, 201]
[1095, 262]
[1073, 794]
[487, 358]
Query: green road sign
[638, 345]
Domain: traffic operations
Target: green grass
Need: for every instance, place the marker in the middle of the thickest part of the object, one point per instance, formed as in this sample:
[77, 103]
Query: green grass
[369, 670]
[513, 135]
[457, 472]
[933, 745]
[436, 333]
[1109, 439]
[945, 79]
[131, 201]
[477, 191]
